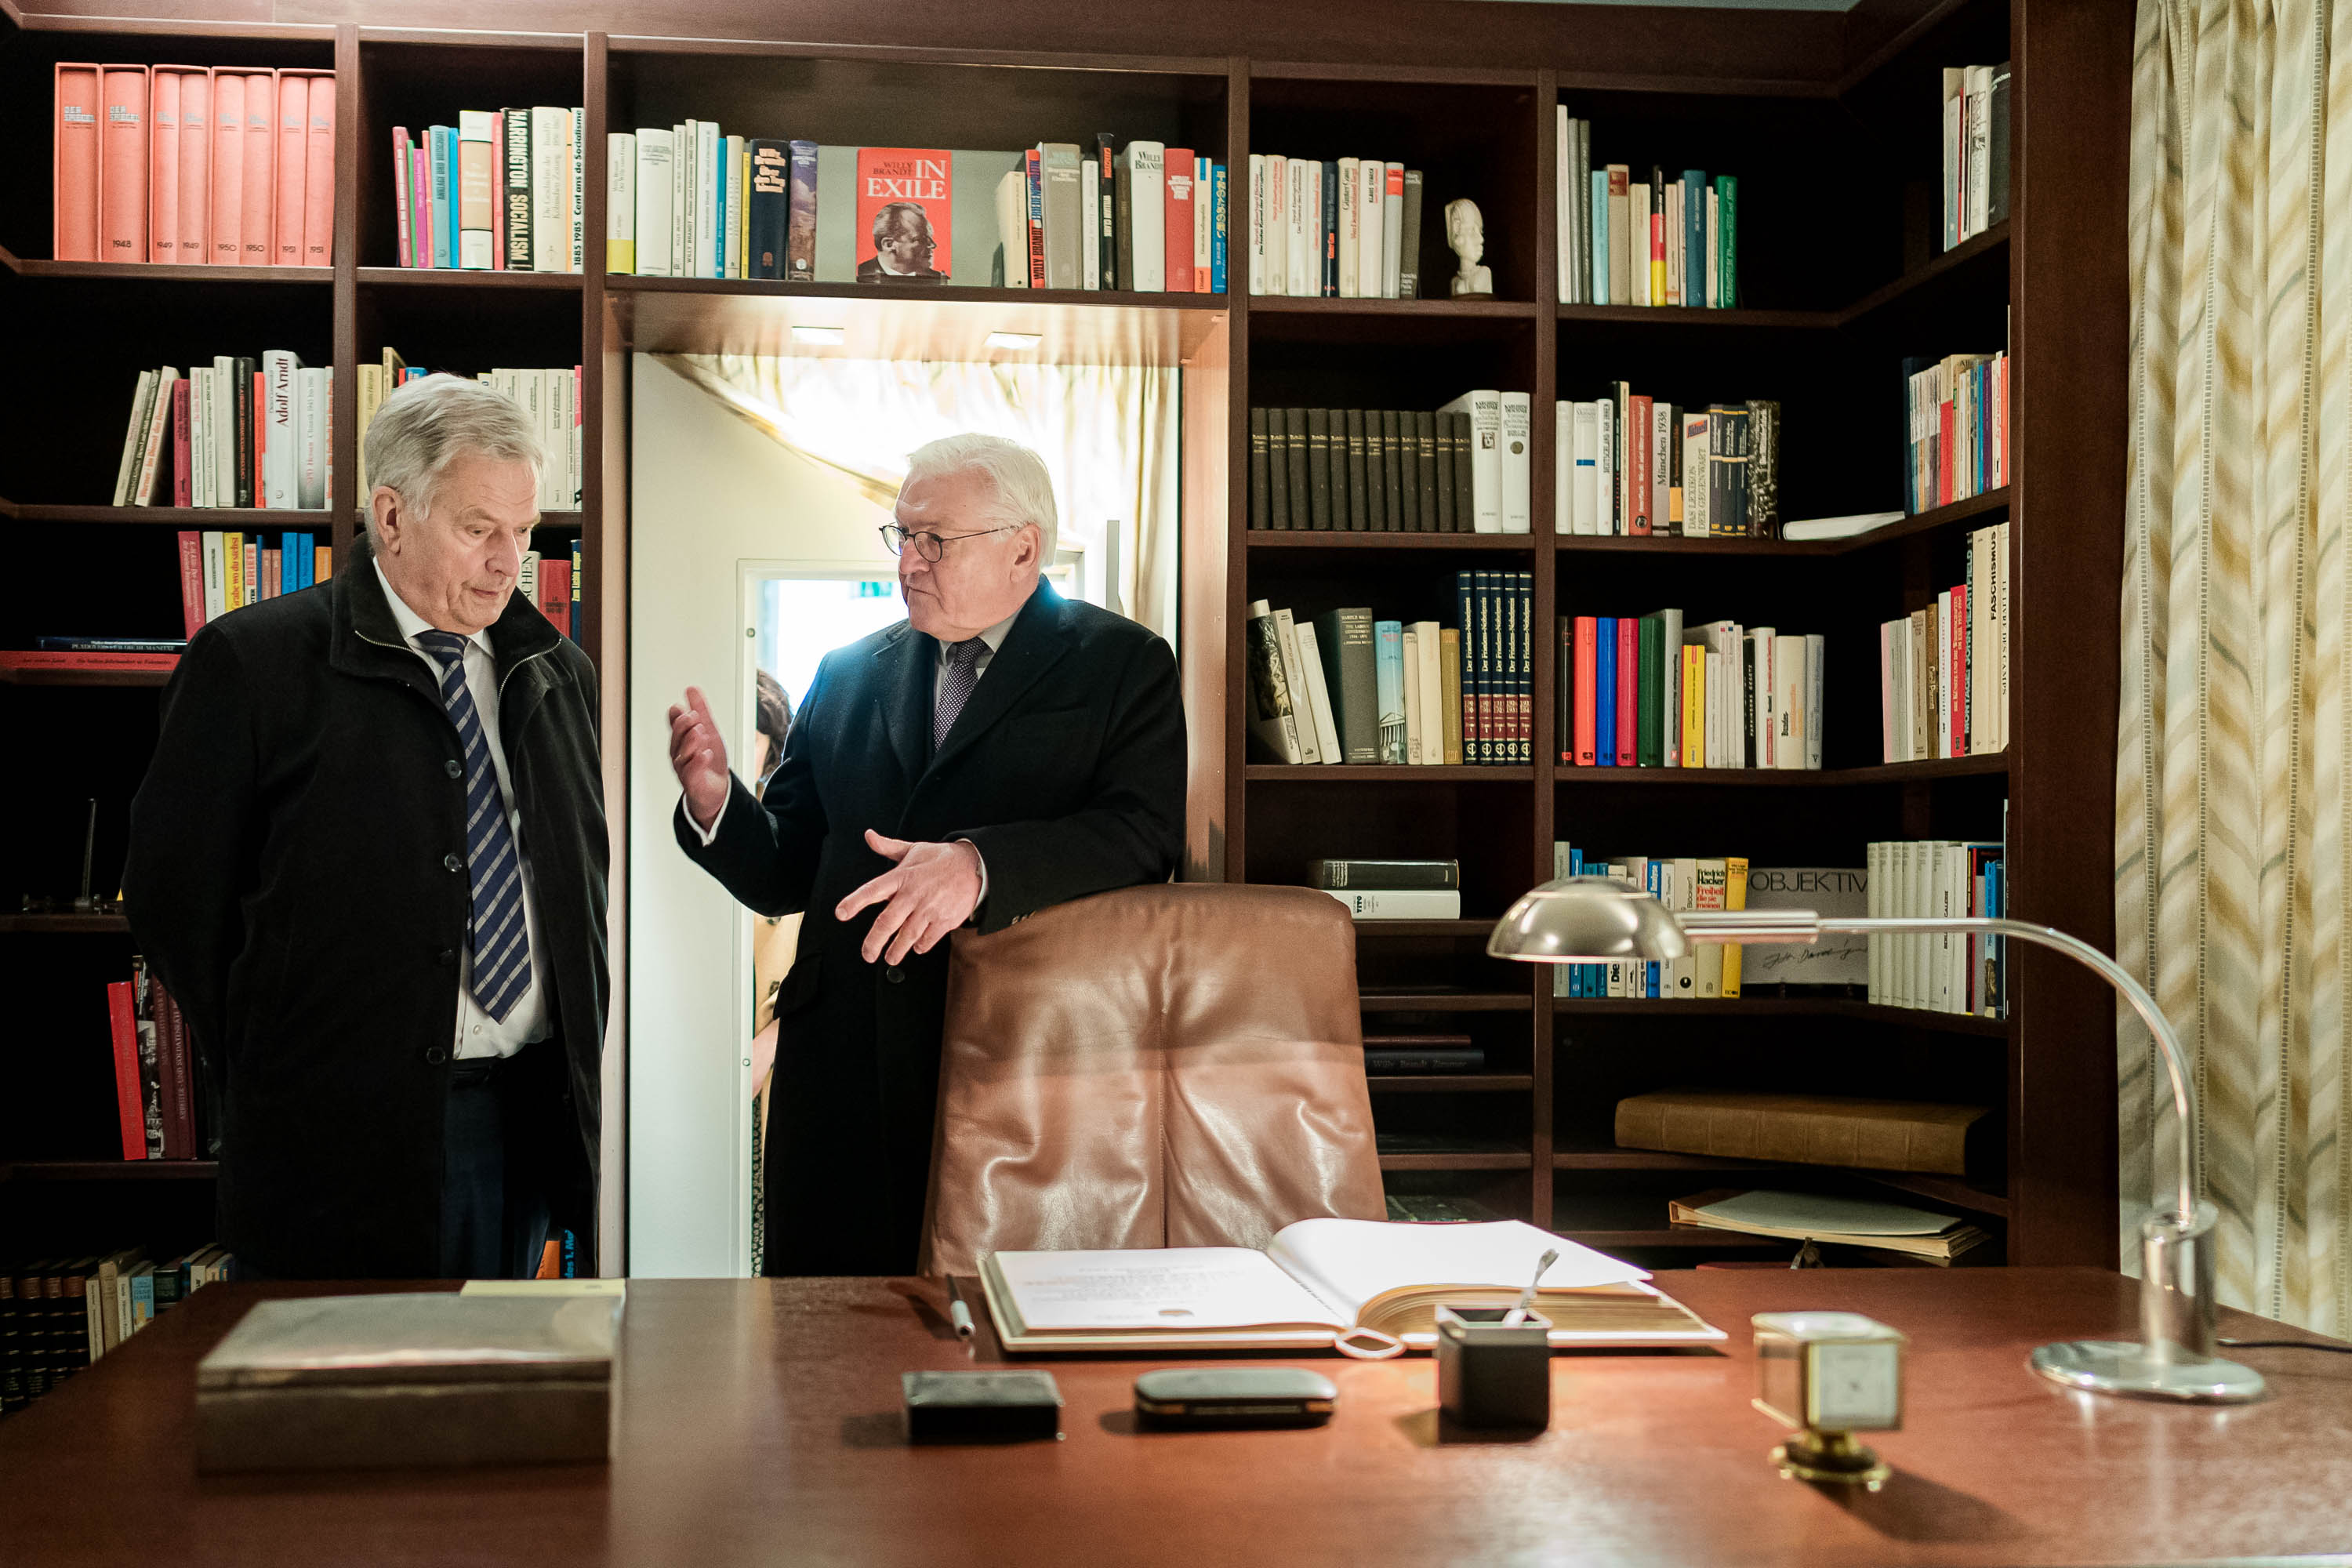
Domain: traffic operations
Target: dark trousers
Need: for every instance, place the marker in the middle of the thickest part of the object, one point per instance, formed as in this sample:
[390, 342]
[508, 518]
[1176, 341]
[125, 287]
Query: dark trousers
[494, 1214]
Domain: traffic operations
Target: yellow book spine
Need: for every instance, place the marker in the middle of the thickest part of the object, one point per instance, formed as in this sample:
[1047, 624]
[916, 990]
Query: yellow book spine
[1449, 642]
[233, 571]
[322, 565]
[1734, 897]
[1693, 706]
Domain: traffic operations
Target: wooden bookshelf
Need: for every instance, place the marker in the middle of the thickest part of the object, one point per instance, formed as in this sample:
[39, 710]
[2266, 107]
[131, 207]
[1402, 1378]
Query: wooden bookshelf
[1775, 95]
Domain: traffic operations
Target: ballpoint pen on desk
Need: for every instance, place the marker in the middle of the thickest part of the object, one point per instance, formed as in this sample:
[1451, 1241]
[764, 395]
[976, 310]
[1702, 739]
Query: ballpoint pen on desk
[958, 1313]
[1518, 1313]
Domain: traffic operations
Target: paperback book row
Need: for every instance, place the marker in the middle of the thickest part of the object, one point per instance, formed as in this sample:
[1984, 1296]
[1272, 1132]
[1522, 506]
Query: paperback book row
[219, 165]
[1347, 689]
[1626, 240]
[500, 190]
[1958, 413]
[1653, 693]
[549, 400]
[1975, 149]
[1340, 228]
[1942, 670]
[1378, 890]
[695, 202]
[1637, 465]
[224, 570]
[58, 1315]
[240, 432]
[1943, 972]
[1681, 884]
[1461, 468]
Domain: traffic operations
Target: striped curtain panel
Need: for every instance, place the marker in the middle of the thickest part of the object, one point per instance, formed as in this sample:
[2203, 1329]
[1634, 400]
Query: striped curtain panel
[2235, 723]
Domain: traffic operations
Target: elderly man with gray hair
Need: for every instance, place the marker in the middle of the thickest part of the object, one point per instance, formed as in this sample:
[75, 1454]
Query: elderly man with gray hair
[369, 861]
[1001, 751]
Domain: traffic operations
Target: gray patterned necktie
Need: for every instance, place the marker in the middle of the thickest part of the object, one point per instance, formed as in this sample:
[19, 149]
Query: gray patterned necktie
[956, 682]
[501, 944]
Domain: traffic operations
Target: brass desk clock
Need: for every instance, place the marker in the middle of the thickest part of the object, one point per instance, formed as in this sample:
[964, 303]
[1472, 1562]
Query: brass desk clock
[1831, 1375]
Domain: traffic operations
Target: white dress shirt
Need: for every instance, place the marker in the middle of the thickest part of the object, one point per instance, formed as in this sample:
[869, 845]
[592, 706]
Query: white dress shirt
[479, 1033]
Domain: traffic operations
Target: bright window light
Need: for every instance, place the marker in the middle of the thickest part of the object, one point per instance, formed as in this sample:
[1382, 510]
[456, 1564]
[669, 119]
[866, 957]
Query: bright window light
[1013, 340]
[819, 335]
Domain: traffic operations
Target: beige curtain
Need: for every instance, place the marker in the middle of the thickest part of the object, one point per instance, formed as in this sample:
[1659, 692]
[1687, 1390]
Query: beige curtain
[2236, 716]
[1110, 436]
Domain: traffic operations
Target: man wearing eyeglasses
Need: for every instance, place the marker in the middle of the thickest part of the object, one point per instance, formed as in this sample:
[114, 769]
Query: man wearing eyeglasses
[1001, 751]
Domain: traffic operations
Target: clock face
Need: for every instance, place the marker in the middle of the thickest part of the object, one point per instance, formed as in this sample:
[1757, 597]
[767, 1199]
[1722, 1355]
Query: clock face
[1856, 1387]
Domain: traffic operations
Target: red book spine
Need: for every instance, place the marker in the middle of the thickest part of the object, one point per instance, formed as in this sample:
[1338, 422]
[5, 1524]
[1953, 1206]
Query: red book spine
[164, 166]
[1637, 462]
[555, 593]
[74, 232]
[59, 659]
[195, 169]
[420, 209]
[183, 477]
[1946, 443]
[1036, 176]
[291, 132]
[226, 236]
[256, 226]
[192, 579]
[318, 181]
[260, 439]
[2000, 420]
[1959, 693]
[1178, 180]
[171, 1079]
[130, 1106]
[123, 182]
[1628, 662]
[1586, 698]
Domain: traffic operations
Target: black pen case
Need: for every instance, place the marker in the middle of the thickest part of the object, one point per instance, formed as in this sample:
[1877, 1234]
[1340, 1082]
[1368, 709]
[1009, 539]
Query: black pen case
[980, 1406]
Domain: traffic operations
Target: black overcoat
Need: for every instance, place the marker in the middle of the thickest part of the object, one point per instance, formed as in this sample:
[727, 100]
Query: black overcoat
[296, 878]
[1065, 769]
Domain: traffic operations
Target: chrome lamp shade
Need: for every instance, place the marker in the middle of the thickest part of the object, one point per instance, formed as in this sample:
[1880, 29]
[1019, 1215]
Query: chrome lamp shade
[1602, 920]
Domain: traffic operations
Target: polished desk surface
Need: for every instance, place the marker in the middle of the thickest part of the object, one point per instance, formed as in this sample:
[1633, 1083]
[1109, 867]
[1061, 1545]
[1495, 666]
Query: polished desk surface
[759, 1423]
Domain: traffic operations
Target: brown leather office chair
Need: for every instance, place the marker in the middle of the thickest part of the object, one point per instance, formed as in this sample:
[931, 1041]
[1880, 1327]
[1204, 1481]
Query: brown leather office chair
[1171, 1065]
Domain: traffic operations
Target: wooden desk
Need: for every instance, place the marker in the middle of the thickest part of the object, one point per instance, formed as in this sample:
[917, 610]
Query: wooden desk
[759, 1423]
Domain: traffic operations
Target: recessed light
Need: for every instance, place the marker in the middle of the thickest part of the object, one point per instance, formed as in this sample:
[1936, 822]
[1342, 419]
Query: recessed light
[823, 335]
[1015, 340]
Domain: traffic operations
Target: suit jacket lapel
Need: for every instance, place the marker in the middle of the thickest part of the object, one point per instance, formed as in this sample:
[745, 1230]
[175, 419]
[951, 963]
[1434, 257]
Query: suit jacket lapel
[904, 696]
[1030, 648]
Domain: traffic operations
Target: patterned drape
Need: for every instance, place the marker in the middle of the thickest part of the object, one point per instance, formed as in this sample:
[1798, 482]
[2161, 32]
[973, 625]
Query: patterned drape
[2235, 726]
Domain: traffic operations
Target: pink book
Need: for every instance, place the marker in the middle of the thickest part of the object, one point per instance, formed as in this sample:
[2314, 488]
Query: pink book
[293, 128]
[164, 166]
[191, 578]
[1959, 702]
[319, 182]
[183, 477]
[1177, 189]
[122, 179]
[420, 211]
[195, 166]
[499, 193]
[257, 239]
[74, 236]
[1628, 660]
[226, 239]
[405, 248]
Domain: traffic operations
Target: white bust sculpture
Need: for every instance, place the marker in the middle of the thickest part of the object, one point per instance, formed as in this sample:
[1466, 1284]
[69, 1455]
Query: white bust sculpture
[1466, 233]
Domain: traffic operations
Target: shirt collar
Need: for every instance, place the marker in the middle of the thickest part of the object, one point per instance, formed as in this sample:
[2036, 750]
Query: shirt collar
[994, 637]
[410, 623]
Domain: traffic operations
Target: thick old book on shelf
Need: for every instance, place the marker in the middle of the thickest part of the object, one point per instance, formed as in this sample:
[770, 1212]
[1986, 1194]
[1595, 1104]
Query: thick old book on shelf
[1848, 1221]
[1319, 1282]
[1800, 1129]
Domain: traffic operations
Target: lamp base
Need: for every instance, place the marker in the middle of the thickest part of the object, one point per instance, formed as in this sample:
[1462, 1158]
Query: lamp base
[2121, 1366]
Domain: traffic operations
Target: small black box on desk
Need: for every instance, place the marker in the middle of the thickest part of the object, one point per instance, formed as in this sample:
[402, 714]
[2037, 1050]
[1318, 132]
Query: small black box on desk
[980, 1406]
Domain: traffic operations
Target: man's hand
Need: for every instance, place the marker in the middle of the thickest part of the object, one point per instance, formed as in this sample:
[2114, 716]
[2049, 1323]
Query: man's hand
[699, 757]
[932, 891]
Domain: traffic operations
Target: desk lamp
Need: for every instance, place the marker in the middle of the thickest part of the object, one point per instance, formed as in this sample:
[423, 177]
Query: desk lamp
[1601, 919]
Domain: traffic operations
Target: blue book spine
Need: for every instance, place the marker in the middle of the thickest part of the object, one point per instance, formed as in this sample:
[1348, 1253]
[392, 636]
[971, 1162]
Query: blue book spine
[1388, 649]
[290, 562]
[718, 216]
[1695, 238]
[1217, 207]
[1036, 168]
[1604, 691]
[437, 139]
[1600, 226]
[1577, 985]
[1652, 875]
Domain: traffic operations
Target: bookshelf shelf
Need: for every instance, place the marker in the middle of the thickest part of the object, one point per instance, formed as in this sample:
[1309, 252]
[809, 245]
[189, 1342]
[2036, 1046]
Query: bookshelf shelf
[1648, 1160]
[64, 925]
[1450, 1083]
[1784, 1007]
[1272, 539]
[110, 1171]
[1950, 1190]
[1981, 766]
[155, 272]
[1963, 261]
[1498, 1160]
[454, 278]
[1386, 772]
[1976, 506]
[1698, 319]
[1444, 1001]
[243, 519]
[155, 678]
[1444, 309]
[1422, 927]
[1685, 1236]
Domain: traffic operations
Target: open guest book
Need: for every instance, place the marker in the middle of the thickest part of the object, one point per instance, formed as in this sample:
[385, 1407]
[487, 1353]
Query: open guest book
[1320, 1282]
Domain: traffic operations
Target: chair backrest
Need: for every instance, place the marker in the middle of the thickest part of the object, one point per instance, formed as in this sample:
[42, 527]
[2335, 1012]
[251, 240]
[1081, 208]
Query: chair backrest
[1171, 1066]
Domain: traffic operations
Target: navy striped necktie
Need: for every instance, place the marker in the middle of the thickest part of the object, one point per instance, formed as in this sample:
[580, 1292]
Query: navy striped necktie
[501, 944]
[955, 682]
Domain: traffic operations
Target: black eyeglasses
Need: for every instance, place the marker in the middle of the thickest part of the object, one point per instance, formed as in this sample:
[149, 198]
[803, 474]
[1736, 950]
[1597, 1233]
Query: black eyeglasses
[931, 546]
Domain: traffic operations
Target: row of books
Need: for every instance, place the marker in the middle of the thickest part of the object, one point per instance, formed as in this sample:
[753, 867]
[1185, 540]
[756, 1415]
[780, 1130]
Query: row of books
[549, 398]
[1633, 465]
[553, 582]
[500, 190]
[155, 1082]
[1346, 689]
[1942, 670]
[1390, 889]
[1685, 883]
[58, 1315]
[1335, 229]
[1958, 411]
[1651, 693]
[221, 165]
[694, 202]
[240, 432]
[1975, 149]
[1624, 241]
[224, 570]
[1461, 468]
[1943, 972]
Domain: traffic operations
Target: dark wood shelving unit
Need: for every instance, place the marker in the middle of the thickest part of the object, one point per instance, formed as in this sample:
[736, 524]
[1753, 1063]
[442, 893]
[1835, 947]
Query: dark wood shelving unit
[155, 678]
[64, 925]
[1388, 773]
[1514, 1160]
[1983, 765]
[242, 519]
[447, 277]
[1783, 1007]
[1450, 1083]
[1444, 1001]
[110, 1171]
[1493, 543]
[1969, 255]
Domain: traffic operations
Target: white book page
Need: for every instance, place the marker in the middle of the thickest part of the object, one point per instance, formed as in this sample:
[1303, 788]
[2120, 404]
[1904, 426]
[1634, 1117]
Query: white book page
[1349, 1262]
[1172, 1288]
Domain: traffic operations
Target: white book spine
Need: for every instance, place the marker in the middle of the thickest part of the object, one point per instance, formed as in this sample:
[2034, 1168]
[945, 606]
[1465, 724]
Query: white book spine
[1789, 701]
[281, 452]
[710, 261]
[1432, 693]
[653, 155]
[1293, 237]
[1407, 904]
[134, 436]
[1293, 671]
[1371, 228]
[1278, 225]
[576, 192]
[158, 437]
[1257, 201]
[312, 475]
[1671, 699]
[681, 188]
[1486, 440]
[1392, 231]
[733, 242]
[1090, 226]
[1875, 877]
[1561, 207]
[224, 430]
[1604, 466]
[1585, 500]
[1816, 685]
[1204, 221]
[1148, 203]
[1637, 193]
[1661, 465]
[1516, 412]
[1413, 739]
[620, 202]
[1318, 694]
[1563, 467]
[549, 245]
[215, 575]
[1351, 224]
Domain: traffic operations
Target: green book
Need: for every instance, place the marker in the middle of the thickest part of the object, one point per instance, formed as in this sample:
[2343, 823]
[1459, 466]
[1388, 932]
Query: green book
[1649, 693]
[1726, 239]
